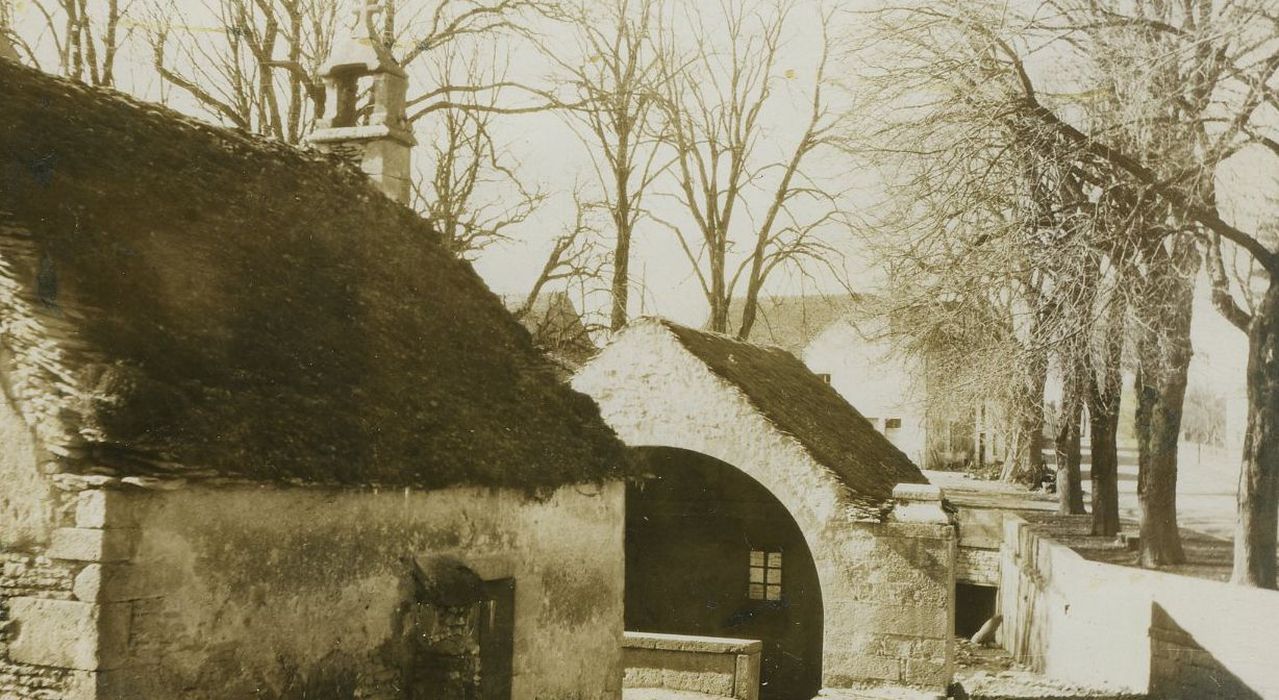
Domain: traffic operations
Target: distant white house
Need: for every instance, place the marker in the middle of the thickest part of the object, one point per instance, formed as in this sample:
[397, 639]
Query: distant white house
[835, 336]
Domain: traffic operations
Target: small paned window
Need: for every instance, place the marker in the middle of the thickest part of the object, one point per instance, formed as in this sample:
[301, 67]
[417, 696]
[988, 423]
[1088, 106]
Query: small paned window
[892, 423]
[765, 575]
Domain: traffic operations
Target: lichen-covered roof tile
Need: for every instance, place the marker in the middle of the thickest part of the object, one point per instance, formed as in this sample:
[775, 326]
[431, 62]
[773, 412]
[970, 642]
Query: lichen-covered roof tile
[179, 297]
[808, 409]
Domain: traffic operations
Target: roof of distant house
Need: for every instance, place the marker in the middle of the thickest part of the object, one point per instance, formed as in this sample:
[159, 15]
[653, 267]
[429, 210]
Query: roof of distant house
[556, 326]
[793, 322]
[180, 299]
[800, 404]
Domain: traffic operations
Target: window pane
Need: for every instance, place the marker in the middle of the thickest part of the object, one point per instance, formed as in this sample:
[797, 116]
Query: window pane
[756, 591]
[774, 576]
[775, 560]
[757, 574]
[757, 558]
[774, 593]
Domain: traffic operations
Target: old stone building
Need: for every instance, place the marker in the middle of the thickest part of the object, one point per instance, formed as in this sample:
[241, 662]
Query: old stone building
[264, 437]
[773, 510]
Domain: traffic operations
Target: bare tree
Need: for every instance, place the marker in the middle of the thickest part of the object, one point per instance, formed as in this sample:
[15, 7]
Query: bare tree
[984, 217]
[712, 99]
[1169, 186]
[1104, 377]
[474, 192]
[86, 36]
[574, 257]
[1215, 70]
[614, 76]
[257, 70]
[414, 32]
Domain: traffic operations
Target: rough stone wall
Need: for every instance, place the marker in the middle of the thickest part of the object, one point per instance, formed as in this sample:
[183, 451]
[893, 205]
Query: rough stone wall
[887, 589]
[28, 503]
[981, 533]
[30, 576]
[31, 508]
[1138, 631]
[206, 592]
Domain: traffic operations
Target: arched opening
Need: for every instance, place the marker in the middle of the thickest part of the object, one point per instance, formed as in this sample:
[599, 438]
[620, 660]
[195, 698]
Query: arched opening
[709, 551]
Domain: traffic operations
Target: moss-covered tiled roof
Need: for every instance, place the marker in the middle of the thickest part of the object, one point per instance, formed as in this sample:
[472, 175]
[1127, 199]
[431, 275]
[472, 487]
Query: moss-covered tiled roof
[800, 404]
[181, 299]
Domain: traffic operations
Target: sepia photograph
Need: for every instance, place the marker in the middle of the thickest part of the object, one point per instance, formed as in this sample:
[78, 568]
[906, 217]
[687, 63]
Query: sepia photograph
[639, 349]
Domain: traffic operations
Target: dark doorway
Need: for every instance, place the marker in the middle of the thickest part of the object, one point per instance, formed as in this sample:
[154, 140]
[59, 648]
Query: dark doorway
[497, 639]
[456, 633]
[974, 605]
[709, 551]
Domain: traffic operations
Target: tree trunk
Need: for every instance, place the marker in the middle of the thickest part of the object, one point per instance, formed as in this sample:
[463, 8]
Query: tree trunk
[1070, 491]
[621, 276]
[1104, 392]
[622, 223]
[1024, 463]
[1257, 526]
[1164, 359]
[1104, 471]
[718, 298]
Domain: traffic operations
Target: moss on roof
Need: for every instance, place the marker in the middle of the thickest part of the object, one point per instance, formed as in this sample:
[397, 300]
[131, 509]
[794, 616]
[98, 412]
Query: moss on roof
[183, 299]
[800, 404]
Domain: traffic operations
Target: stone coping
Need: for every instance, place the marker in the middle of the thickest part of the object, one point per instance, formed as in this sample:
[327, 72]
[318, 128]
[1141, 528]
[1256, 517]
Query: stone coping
[682, 642]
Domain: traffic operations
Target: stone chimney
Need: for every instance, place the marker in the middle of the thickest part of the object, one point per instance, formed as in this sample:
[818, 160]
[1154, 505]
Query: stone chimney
[379, 138]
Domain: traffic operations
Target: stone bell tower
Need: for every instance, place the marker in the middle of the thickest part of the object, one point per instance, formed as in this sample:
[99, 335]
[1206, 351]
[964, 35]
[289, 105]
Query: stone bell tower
[376, 135]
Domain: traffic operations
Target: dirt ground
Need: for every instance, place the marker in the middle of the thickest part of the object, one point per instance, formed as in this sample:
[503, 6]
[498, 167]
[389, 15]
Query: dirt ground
[1206, 486]
[989, 673]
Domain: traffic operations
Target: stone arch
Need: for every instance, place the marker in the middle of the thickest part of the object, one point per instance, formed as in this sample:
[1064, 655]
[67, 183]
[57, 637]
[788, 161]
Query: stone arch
[711, 551]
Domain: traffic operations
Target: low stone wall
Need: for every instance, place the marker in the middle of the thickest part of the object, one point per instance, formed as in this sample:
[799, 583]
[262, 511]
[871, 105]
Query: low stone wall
[1101, 625]
[711, 665]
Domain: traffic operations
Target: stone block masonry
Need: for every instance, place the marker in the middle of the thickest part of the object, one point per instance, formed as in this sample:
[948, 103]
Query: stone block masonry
[67, 610]
[711, 665]
[241, 592]
[977, 566]
[889, 611]
[30, 577]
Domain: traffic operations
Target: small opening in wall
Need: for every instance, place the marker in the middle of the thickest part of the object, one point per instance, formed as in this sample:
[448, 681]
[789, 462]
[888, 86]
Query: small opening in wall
[974, 605]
